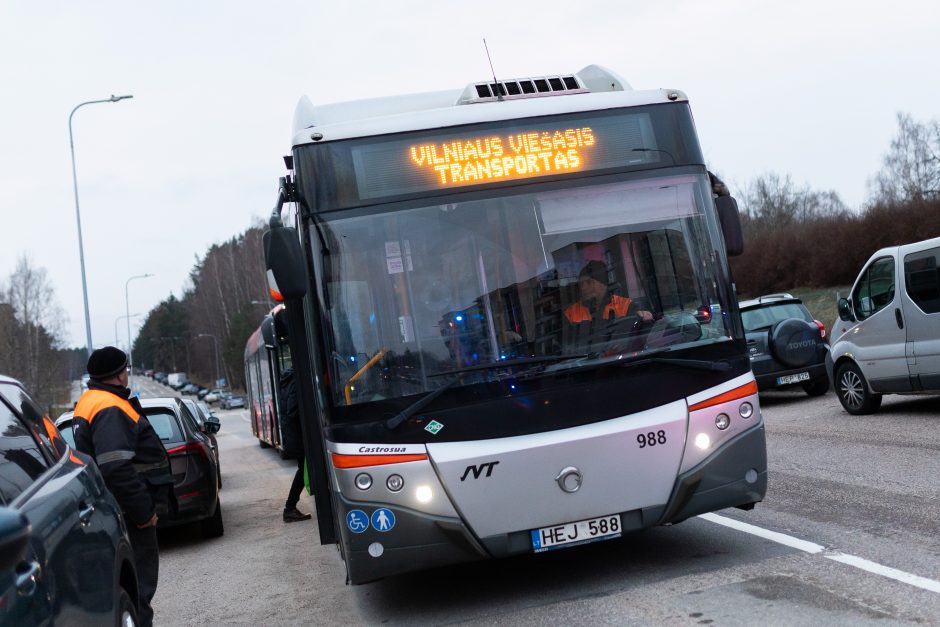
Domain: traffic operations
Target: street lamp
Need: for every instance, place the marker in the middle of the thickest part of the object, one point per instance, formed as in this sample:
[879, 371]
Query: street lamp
[78, 218]
[116, 340]
[127, 309]
[215, 344]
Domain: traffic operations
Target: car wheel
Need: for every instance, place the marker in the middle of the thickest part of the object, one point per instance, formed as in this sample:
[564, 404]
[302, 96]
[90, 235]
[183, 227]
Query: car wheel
[817, 387]
[853, 391]
[212, 527]
[127, 611]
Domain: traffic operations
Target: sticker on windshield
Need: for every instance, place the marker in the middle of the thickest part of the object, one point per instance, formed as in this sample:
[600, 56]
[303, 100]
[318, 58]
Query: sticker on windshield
[383, 519]
[433, 427]
[357, 520]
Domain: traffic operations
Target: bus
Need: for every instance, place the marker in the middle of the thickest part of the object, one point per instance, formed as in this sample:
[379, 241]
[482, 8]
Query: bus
[466, 391]
[267, 356]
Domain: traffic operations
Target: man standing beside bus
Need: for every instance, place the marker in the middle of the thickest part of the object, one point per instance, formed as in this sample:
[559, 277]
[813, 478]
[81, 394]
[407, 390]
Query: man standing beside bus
[110, 426]
[293, 444]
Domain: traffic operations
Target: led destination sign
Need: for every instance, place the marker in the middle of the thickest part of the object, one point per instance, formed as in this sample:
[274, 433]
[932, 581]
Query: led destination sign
[449, 158]
[494, 157]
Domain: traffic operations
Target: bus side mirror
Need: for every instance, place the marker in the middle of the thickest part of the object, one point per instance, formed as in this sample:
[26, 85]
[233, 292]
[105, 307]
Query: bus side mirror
[284, 261]
[845, 310]
[730, 225]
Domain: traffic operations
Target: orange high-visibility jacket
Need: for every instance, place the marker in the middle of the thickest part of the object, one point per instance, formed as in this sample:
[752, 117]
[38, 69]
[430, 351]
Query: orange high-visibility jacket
[616, 308]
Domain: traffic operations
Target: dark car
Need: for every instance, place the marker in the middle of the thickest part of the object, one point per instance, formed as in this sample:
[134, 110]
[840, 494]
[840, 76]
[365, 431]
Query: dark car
[192, 462]
[786, 345]
[64, 553]
[190, 389]
[208, 423]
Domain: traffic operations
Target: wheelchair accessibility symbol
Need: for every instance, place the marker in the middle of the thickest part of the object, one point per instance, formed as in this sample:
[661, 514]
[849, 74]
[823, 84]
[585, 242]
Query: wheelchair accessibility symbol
[383, 519]
[357, 521]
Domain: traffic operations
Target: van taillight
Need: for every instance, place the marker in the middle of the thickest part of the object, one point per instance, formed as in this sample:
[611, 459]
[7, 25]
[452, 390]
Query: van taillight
[822, 329]
[192, 447]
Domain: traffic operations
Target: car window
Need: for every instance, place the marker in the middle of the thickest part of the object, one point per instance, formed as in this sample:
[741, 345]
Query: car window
[21, 462]
[766, 317]
[922, 279]
[192, 414]
[42, 426]
[875, 290]
[164, 423]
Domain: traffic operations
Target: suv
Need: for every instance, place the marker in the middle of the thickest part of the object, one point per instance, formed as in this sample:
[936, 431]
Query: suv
[64, 553]
[786, 345]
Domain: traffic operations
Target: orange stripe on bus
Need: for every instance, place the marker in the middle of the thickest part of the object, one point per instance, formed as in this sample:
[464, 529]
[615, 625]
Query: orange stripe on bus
[360, 461]
[745, 390]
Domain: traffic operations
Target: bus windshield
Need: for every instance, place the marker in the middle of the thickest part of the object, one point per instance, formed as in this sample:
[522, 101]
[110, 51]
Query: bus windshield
[595, 271]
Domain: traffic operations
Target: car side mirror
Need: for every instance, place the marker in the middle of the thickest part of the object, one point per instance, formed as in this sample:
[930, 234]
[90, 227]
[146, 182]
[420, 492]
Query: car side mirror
[730, 221]
[845, 310]
[14, 537]
[285, 265]
[213, 425]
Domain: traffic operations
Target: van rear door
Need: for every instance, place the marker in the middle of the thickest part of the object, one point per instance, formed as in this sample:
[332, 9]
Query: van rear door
[921, 304]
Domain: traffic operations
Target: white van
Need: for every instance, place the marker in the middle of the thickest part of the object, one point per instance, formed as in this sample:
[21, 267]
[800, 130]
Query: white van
[887, 337]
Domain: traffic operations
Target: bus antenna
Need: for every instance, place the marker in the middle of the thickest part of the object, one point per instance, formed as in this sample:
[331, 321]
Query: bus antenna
[498, 88]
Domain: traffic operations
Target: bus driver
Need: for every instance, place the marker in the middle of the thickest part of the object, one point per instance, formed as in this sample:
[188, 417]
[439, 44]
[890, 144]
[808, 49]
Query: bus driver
[597, 307]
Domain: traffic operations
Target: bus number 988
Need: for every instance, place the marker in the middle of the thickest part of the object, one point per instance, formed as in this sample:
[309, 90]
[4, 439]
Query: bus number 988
[651, 438]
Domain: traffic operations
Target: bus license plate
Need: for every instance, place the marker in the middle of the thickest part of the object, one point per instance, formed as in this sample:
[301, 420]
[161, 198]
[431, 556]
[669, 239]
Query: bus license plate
[581, 532]
[793, 378]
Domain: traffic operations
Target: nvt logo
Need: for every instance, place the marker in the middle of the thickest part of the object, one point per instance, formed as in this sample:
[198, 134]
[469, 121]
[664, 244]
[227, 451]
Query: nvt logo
[478, 470]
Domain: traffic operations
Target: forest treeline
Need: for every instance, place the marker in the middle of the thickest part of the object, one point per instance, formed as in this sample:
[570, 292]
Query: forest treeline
[223, 304]
[795, 236]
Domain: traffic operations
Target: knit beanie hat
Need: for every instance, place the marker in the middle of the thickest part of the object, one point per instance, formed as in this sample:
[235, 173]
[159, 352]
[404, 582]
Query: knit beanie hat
[596, 270]
[106, 362]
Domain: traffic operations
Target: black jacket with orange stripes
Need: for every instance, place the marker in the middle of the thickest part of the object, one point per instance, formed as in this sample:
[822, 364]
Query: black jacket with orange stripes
[111, 426]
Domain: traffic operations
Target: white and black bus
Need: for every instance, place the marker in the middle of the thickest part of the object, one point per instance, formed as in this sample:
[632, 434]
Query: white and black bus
[466, 396]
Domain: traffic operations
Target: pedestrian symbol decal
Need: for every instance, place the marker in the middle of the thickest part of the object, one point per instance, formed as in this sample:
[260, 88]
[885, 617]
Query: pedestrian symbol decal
[433, 427]
[383, 519]
[357, 521]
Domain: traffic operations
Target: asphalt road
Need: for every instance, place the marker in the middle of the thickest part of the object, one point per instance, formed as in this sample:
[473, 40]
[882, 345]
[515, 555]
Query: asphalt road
[855, 502]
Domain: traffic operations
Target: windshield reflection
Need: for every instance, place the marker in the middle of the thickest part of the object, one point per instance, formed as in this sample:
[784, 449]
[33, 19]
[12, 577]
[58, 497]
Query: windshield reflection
[589, 273]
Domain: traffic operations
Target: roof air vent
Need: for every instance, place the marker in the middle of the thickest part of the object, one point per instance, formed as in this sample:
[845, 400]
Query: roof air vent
[534, 87]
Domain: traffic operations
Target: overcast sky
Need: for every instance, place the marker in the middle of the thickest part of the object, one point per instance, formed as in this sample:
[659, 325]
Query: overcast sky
[806, 88]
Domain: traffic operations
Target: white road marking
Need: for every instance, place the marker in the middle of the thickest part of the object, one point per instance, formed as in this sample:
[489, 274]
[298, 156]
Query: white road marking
[924, 583]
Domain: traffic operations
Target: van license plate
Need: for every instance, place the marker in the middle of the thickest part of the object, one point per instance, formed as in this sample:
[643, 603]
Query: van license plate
[581, 532]
[793, 378]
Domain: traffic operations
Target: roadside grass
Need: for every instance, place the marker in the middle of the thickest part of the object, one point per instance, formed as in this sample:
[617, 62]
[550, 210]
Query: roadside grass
[821, 301]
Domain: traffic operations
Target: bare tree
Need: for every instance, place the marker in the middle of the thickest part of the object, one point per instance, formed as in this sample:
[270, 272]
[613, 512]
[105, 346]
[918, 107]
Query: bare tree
[31, 324]
[772, 203]
[911, 168]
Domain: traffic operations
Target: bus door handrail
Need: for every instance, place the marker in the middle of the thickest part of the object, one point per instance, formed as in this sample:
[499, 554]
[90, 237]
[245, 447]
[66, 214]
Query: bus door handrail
[347, 389]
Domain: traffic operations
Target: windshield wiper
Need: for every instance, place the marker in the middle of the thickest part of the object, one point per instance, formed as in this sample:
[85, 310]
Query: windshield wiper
[395, 421]
[698, 364]
[508, 363]
[406, 413]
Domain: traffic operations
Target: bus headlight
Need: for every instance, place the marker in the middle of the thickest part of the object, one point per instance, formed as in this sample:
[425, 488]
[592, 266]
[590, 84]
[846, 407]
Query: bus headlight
[703, 441]
[746, 410]
[423, 494]
[394, 483]
[363, 481]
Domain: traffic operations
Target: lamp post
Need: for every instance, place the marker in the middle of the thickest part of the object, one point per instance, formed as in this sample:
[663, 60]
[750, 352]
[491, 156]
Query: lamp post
[130, 344]
[215, 344]
[116, 340]
[78, 218]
